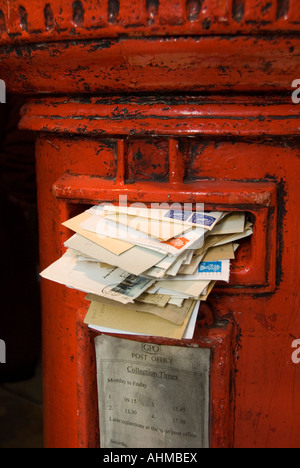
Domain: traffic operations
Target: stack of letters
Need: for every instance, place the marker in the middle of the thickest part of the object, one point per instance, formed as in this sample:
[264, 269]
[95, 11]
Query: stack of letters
[146, 270]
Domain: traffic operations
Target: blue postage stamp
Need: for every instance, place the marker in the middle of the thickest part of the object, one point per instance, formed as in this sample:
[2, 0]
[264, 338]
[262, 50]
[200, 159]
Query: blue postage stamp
[191, 216]
[203, 219]
[178, 214]
[210, 267]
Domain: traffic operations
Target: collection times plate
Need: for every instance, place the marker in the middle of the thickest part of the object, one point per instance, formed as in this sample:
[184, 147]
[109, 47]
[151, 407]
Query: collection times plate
[152, 396]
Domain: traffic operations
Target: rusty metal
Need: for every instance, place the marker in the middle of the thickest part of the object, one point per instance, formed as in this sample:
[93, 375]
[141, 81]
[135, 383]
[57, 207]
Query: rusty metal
[163, 64]
[149, 45]
[90, 19]
[215, 124]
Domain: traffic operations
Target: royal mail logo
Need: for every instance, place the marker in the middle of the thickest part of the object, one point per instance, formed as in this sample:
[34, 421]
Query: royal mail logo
[2, 352]
[2, 92]
[296, 93]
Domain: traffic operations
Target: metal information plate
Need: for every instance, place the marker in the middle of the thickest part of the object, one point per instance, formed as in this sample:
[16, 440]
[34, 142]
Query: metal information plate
[152, 396]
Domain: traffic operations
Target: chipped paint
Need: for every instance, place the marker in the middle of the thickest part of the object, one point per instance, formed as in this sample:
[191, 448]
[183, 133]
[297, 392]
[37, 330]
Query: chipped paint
[196, 133]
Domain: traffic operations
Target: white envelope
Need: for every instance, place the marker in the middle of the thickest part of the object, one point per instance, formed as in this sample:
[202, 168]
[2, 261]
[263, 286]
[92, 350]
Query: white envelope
[116, 246]
[176, 295]
[173, 270]
[189, 288]
[154, 228]
[192, 239]
[89, 277]
[202, 219]
[136, 260]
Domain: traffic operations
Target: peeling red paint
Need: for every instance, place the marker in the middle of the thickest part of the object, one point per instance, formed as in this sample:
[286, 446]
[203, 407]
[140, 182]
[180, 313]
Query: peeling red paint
[214, 124]
[86, 19]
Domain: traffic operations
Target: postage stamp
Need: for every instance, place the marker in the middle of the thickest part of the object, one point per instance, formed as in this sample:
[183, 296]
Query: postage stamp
[210, 267]
[196, 218]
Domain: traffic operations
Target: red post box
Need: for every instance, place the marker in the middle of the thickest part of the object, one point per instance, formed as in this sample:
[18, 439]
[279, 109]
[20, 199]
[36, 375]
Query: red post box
[188, 102]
